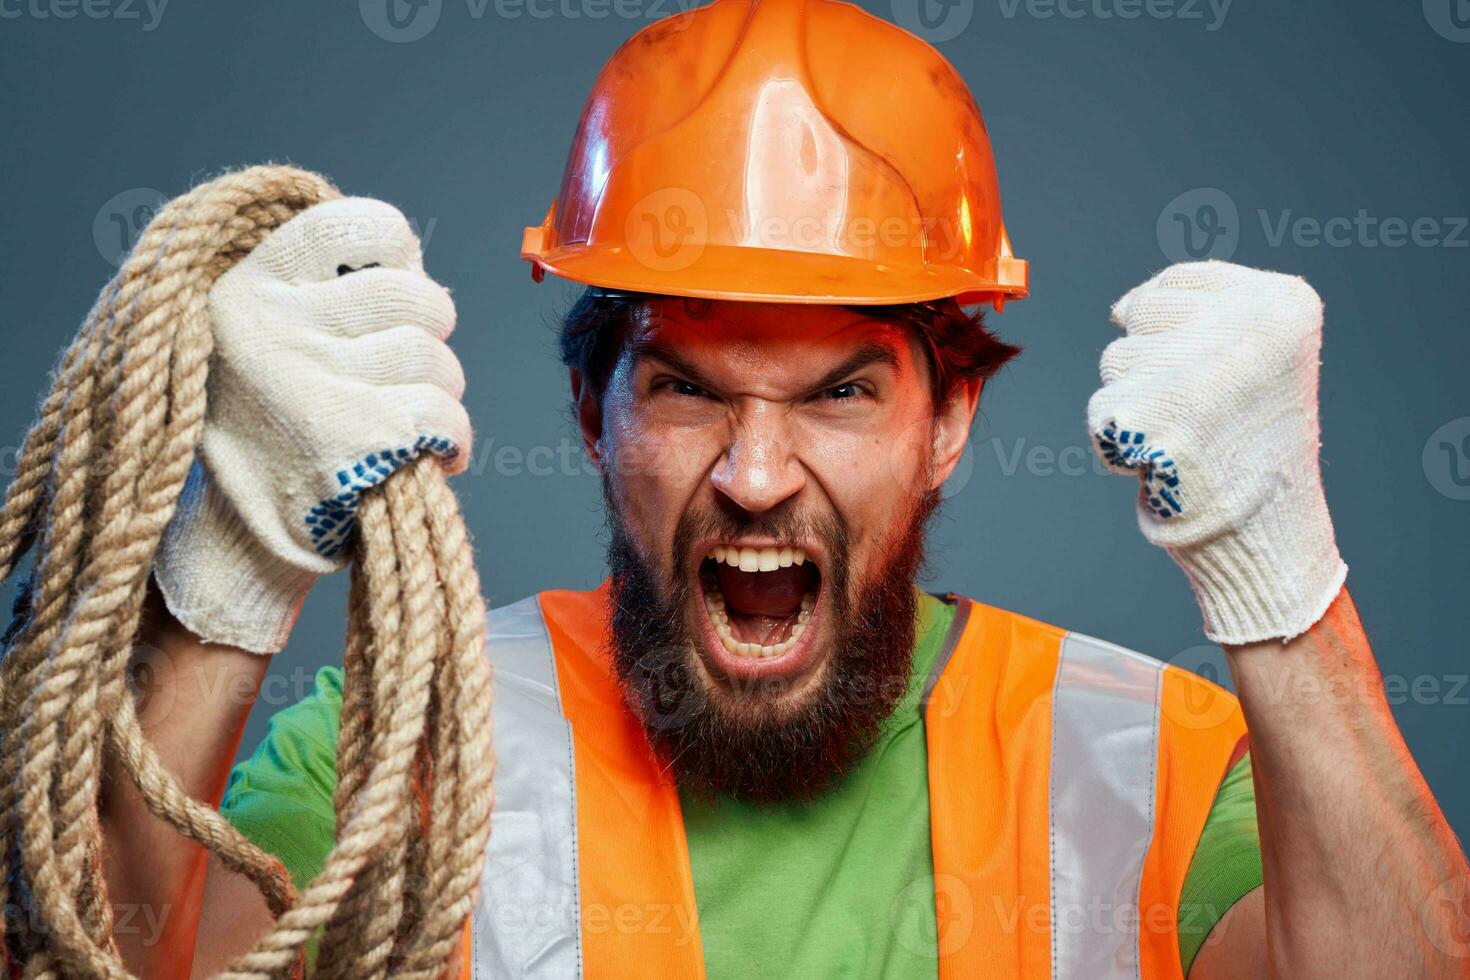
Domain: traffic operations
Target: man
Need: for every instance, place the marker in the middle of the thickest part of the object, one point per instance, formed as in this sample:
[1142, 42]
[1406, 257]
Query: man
[758, 750]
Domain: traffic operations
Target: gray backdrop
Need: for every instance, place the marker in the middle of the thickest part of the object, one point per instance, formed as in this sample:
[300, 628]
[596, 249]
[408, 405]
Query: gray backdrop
[1318, 137]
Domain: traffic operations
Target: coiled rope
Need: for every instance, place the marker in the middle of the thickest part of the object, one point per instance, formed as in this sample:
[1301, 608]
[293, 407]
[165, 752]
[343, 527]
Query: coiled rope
[99, 476]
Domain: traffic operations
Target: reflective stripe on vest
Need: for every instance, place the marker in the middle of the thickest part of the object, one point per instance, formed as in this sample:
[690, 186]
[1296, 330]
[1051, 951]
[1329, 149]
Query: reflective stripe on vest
[527, 923]
[1069, 780]
[620, 897]
[1105, 732]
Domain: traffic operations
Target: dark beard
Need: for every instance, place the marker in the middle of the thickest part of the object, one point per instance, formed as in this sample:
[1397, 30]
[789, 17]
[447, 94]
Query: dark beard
[741, 744]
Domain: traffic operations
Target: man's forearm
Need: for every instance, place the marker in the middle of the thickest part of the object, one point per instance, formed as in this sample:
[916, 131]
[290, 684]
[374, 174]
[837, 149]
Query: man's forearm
[1355, 849]
[194, 700]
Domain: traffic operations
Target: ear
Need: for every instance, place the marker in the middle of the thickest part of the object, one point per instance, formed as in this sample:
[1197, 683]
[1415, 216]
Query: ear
[589, 418]
[952, 429]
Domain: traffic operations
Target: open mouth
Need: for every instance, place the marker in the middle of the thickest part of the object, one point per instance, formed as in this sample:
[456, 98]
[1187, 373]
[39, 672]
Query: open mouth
[760, 600]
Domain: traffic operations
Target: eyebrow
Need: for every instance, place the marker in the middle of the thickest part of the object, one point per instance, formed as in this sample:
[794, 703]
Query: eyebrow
[872, 352]
[655, 351]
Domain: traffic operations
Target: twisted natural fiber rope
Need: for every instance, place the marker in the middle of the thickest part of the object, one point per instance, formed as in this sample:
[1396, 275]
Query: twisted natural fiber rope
[99, 477]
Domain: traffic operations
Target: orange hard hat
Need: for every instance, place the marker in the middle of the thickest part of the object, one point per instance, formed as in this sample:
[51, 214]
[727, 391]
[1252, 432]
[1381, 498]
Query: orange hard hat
[797, 151]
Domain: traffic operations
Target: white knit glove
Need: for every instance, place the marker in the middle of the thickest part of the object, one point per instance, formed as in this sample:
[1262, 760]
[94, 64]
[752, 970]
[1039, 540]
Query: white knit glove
[1211, 400]
[330, 371]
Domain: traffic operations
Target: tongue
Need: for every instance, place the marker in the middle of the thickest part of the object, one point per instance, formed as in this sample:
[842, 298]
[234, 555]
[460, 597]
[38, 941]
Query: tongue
[776, 594]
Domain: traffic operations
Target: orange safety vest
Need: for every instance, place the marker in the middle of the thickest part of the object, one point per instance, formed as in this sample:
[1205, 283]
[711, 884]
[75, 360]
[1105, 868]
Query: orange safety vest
[1069, 781]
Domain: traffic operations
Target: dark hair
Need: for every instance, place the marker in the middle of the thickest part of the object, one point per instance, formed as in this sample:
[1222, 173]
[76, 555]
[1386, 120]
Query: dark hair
[959, 346]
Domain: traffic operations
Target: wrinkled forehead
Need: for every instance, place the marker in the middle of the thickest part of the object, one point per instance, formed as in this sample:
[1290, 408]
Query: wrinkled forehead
[791, 336]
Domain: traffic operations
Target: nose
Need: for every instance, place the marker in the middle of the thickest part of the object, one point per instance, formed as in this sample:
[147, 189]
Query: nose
[760, 468]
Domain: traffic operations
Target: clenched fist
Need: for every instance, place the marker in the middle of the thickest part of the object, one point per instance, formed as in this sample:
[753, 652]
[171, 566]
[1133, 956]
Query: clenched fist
[330, 372]
[1211, 401]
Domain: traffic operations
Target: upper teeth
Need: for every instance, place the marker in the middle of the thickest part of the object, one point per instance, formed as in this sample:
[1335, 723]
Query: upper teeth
[758, 559]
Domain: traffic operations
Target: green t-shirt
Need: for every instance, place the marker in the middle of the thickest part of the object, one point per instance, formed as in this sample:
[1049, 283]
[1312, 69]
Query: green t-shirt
[856, 863]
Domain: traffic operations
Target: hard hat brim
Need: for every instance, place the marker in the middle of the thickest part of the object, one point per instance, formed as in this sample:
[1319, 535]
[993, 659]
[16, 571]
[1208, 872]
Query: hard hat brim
[764, 275]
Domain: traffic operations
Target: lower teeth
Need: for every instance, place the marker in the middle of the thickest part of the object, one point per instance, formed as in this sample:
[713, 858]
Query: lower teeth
[714, 602]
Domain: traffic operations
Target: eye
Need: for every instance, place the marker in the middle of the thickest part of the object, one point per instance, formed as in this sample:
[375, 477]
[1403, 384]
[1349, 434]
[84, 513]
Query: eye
[686, 388]
[847, 390]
